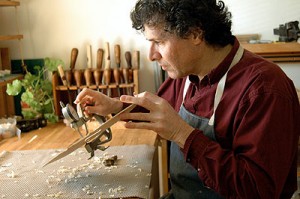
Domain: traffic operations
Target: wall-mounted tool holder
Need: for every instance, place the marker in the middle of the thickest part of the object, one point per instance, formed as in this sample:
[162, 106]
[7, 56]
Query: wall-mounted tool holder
[60, 91]
[114, 79]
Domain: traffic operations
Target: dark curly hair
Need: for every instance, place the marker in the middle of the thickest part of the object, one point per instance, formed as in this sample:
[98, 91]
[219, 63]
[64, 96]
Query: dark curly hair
[180, 17]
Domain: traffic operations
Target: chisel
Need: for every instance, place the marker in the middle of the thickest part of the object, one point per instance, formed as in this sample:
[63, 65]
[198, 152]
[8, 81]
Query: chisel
[116, 71]
[107, 69]
[65, 81]
[98, 72]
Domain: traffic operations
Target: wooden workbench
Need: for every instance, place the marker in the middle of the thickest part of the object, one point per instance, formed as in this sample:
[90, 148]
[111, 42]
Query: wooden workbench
[57, 136]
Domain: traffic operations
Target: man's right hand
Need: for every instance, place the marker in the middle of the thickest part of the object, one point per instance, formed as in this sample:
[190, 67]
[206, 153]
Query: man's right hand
[94, 102]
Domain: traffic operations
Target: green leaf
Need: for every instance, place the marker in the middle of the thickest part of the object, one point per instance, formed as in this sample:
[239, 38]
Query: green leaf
[52, 63]
[51, 117]
[14, 88]
[28, 114]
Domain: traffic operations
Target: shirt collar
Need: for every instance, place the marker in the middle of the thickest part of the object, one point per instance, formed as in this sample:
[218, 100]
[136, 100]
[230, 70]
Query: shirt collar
[217, 73]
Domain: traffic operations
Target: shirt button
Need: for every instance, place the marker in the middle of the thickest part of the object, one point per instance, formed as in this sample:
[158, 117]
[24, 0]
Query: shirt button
[198, 169]
[188, 160]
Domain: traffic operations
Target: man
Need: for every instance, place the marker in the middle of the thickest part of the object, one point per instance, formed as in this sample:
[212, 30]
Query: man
[231, 116]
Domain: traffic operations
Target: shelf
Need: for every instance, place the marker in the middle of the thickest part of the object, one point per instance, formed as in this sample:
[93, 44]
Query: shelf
[9, 3]
[276, 52]
[62, 93]
[10, 37]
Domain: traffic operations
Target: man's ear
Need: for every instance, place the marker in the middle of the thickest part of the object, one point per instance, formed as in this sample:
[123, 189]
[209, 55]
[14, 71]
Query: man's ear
[196, 34]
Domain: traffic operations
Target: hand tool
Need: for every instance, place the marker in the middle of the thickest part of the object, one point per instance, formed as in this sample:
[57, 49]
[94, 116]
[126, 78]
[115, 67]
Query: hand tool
[88, 71]
[107, 77]
[69, 73]
[98, 72]
[78, 78]
[116, 71]
[136, 59]
[127, 72]
[135, 62]
[107, 69]
[89, 56]
[88, 77]
[64, 81]
[92, 140]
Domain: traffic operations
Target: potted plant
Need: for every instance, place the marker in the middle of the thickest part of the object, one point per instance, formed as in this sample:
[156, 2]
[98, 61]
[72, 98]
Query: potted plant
[36, 92]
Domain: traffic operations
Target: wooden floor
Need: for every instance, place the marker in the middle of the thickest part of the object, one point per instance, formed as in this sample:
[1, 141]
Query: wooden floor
[61, 136]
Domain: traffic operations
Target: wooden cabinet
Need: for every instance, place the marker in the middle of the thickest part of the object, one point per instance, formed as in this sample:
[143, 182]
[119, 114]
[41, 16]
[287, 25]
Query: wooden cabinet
[62, 93]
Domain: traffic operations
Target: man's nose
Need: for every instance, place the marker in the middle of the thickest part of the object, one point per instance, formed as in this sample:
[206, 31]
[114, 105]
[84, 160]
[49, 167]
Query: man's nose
[154, 55]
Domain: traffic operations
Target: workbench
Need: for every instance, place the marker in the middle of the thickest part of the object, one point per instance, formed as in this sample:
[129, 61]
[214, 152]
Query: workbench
[58, 136]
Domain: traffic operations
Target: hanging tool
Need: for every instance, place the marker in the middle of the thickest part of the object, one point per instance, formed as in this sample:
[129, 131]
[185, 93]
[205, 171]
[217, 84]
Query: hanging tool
[136, 59]
[116, 71]
[135, 63]
[88, 71]
[93, 140]
[70, 73]
[88, 77]
[98, 72]
[64, 81]
[78, 79]
[89, 56]
[107, 70]
[127, 72]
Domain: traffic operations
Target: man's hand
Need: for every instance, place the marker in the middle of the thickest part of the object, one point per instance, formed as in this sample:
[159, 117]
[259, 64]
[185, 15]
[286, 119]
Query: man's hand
[96, 102]
[161, 118]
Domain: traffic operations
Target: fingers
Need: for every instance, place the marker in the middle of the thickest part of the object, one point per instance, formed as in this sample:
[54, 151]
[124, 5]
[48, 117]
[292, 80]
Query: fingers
[139, 125]
[135, 116]
[146, 100]
[85, 94]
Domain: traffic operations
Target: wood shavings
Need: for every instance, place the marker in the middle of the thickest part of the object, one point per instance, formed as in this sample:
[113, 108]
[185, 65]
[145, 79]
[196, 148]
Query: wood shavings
[55, 195]
[11, 174]
[66, 175]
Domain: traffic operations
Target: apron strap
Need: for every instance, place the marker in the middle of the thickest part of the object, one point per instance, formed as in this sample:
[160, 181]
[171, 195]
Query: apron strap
[221, 84]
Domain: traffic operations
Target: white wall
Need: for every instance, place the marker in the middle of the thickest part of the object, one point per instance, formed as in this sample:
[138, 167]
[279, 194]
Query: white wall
[51, 28]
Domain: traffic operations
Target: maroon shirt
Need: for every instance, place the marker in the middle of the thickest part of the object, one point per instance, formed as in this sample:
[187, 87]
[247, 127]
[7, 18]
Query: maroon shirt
[256, 126]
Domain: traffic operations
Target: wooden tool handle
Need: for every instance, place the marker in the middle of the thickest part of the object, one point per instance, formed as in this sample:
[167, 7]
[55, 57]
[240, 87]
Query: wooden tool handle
[107, 57]
[88, 76]
[128, 59]
[125, 72]
[99, 58]
[107, 74]
[89, 56]
[136, 59]
[117, 75]
[69, 77]
[107, 64]
[117, 55]
[77, 76]
[97, 76]
[62, 75]
[74, 54]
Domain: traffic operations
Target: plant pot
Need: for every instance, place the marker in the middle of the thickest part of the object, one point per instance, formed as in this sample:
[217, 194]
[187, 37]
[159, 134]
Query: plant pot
[27, 125]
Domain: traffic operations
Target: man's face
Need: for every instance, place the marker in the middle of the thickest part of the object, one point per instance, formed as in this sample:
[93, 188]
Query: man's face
[177, 56]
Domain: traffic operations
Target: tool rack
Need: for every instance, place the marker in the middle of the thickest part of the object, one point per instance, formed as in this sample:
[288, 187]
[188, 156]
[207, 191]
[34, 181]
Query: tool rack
[60, 91]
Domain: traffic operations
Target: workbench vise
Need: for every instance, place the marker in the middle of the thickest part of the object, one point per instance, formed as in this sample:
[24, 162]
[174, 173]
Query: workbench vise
[288, 32]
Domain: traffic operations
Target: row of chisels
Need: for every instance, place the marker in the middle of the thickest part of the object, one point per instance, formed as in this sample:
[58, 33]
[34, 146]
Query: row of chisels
[111, 80]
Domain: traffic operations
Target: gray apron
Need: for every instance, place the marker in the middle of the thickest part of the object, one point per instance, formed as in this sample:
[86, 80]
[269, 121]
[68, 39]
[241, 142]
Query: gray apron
[185, 182]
